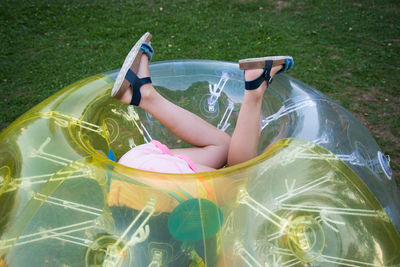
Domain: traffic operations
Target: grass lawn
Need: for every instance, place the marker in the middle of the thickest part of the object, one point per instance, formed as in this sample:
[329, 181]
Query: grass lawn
[349, 50]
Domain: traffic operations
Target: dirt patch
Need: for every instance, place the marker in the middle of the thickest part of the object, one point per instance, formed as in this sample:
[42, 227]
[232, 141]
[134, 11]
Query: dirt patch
[22, 93]
[375, 96]
[282, 4]
[383, 131]
[370, 98]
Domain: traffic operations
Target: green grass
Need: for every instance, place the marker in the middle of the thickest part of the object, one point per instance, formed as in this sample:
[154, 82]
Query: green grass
[349, 50]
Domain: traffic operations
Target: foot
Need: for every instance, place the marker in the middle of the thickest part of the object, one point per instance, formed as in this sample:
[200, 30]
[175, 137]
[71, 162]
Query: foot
[128, 76]
[265, 68]
[143, 71]
[252, 74]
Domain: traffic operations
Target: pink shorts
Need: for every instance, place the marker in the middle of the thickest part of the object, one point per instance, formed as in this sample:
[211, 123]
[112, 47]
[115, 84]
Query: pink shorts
[157, 157]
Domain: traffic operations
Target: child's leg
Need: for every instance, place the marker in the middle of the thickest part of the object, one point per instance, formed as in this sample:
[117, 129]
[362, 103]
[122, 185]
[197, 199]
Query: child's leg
[245, 139]
[211, 143]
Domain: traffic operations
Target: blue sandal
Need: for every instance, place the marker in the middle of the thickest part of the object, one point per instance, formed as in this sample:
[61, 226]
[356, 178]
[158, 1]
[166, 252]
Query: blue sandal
[127, 75]
[267, 63]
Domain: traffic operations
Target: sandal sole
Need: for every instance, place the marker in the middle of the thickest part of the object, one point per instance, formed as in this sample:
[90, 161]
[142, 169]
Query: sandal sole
[132, 61]
[258, 63]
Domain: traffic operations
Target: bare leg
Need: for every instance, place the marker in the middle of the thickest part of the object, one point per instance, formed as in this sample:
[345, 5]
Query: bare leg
[244, 142]
[211, 144]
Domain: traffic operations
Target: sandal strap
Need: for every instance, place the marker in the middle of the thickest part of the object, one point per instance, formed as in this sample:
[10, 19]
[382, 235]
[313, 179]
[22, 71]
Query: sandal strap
[147, 49]
[136, 83]
[265, 76]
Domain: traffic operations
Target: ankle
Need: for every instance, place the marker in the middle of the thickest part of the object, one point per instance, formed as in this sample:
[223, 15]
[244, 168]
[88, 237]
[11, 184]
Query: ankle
[148, 93]
[256, 95]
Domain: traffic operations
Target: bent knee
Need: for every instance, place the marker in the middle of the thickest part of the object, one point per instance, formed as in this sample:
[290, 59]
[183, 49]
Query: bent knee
[220, 151]
[223, 145]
